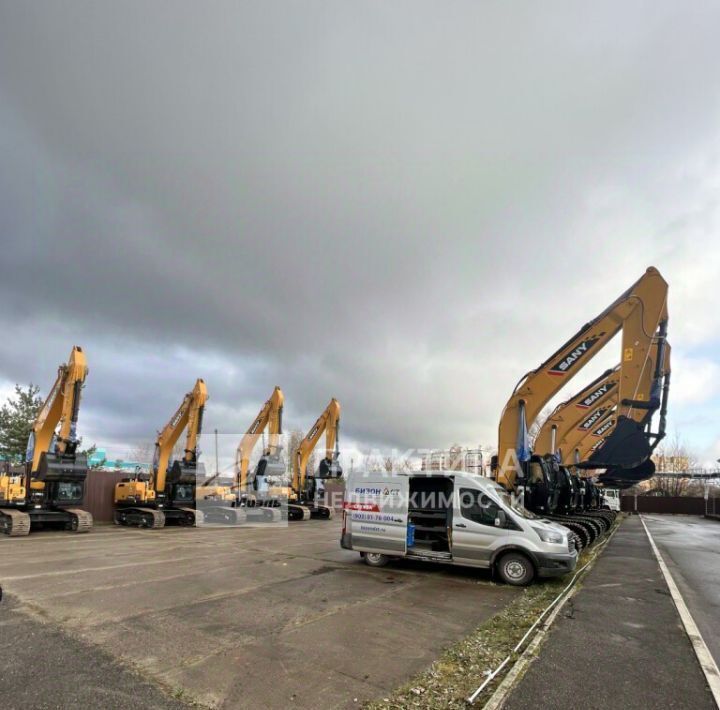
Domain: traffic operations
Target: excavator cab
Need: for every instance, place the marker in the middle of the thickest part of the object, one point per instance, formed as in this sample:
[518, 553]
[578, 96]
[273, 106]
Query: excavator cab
[181, 481]
[329, 468]
[538, 490]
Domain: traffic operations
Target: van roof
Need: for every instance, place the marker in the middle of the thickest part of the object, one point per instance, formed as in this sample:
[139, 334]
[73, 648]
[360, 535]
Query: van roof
[473, 478]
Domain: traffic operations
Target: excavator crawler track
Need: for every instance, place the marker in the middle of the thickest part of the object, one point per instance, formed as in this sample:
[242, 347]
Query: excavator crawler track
[580, 532]
[223, 515]
[80, 520]
[193, 517]
[140, 517]
[322, 512]
[298, 512]
[14, 523]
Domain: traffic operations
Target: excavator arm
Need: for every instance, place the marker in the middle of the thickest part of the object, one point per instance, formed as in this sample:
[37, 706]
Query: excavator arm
[188, 416]
[61, 407]
[269, 416]
[641, 314]
[651, 395]
[329, 424]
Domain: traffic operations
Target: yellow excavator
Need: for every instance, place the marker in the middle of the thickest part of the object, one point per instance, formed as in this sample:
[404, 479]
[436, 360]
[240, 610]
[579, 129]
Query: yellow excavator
[55, 471]
[167, 493]
[641, 314]
[251, 489]
[306, 490]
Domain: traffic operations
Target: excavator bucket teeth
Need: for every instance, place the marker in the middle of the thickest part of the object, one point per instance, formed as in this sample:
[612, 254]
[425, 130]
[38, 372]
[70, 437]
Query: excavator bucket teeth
[626, 448]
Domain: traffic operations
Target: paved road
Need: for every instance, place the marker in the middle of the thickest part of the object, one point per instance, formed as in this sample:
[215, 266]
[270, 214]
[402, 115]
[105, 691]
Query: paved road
[619, 643]
[690, 547]
[242, 617]
[44, 668]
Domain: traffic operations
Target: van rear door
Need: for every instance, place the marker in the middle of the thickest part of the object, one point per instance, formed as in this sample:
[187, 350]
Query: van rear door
[376, 511]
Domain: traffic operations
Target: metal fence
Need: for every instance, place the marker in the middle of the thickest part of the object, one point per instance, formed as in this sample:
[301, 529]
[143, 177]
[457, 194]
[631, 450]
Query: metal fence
[99, 490]
[683, 505]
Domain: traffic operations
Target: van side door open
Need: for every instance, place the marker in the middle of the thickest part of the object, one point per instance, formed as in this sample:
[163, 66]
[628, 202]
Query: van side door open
[479, 527]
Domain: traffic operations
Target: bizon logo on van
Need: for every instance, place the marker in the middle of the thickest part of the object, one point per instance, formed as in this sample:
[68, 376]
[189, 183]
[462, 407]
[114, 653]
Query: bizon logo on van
[564, 365]
[596, 395]
[363, 491]
[391, 491]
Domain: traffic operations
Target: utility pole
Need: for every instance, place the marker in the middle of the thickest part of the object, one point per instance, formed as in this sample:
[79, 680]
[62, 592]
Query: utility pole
[217, 465]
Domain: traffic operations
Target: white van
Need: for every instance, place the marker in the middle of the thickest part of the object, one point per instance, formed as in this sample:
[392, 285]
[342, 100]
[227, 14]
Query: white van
[454, 518]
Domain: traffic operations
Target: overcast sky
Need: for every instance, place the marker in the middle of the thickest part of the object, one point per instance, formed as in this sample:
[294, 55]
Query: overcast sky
[405, 205]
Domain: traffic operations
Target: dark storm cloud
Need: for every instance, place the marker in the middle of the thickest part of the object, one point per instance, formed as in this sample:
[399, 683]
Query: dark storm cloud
[402, 205]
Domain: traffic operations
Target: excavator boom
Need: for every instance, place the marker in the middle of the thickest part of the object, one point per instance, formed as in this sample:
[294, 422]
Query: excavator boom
[187, 416]
[641, 314]
[580, 412]
[61, 407]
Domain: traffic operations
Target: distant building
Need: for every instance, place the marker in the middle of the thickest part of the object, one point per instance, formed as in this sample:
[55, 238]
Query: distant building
[454, 459]
[100, 460]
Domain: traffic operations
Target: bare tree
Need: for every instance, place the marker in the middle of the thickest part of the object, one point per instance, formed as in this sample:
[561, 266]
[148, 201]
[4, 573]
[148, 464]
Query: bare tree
[142, 453]
[293, 444]
[672, 457]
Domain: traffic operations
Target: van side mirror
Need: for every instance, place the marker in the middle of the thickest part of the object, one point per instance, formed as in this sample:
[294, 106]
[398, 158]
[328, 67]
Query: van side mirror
[500, 519]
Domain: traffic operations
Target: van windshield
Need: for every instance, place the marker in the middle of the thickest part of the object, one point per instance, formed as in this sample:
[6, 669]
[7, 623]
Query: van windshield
[516, 508]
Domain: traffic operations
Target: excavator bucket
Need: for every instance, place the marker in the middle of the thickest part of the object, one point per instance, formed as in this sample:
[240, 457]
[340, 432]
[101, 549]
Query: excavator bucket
[184, 473]
[61, 467]
[626, 448]
[329, 469]
[626, 477]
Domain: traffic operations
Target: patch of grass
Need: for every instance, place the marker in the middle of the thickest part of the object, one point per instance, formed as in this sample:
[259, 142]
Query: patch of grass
[462, 667]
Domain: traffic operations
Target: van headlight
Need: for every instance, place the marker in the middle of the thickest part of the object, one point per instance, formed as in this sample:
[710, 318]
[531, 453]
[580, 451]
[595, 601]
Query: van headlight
[556, 538]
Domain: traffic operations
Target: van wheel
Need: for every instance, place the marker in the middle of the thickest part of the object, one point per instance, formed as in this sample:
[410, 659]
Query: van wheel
[516, 569]
[375, 559]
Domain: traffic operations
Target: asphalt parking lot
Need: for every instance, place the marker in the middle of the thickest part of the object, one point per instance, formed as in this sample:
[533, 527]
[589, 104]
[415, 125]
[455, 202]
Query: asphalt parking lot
[690, 546]
[231, 618]
[619, 642]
